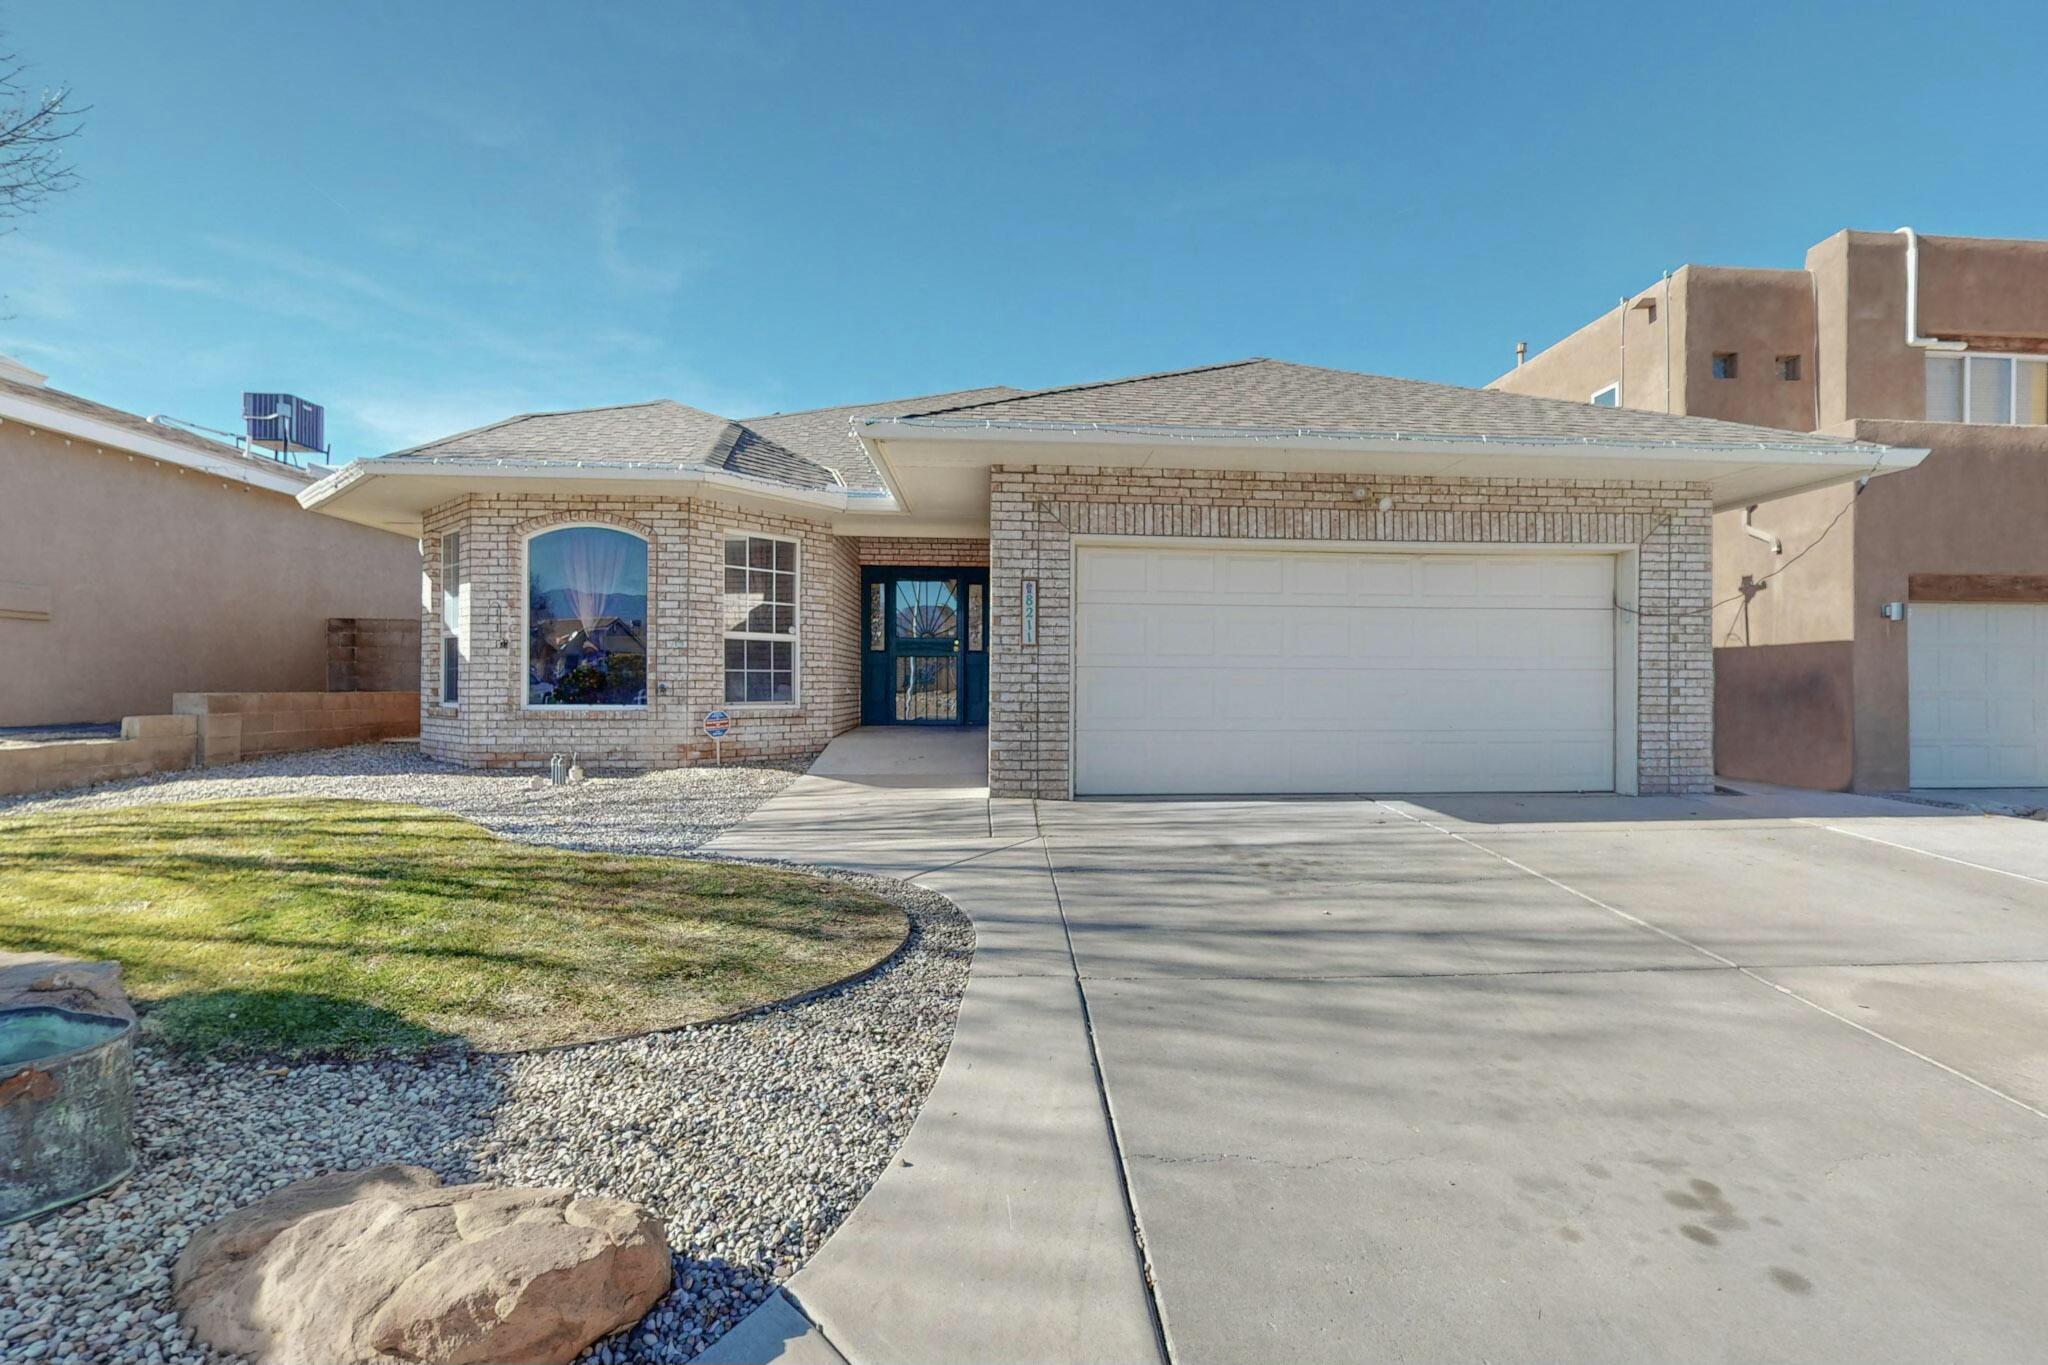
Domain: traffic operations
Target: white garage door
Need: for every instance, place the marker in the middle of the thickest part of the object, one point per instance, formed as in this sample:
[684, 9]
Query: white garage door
[1977, 685]
[1218, 671]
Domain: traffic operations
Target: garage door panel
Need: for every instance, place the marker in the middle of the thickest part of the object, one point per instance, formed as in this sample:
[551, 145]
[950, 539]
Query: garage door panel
[1252, 575]
[1447, 578]
[1319, 576]
[1344, 672]
[1977, 694]
[1375, 577]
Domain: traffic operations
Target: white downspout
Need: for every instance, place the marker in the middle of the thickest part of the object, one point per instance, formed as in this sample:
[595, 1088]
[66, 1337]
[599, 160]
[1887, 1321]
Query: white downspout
[1913, 337]
[1621, 380]
[1755, 532]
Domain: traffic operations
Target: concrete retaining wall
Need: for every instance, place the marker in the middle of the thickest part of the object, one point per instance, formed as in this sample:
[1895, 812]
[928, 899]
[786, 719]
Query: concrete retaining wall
[239, 725]
[207, 729]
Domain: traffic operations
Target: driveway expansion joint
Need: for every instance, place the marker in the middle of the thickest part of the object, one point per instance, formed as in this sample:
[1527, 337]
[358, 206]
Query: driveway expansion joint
[1123, 1166]
[1752, 973]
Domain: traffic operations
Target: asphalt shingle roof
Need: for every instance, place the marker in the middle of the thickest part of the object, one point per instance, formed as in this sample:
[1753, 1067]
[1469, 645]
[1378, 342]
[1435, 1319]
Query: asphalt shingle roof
[817, 449]
[1269, 395]
[826, 434]
[658, 435]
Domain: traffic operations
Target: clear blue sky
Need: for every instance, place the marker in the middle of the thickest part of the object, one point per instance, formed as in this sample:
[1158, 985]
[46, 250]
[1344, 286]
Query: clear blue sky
[428, 216]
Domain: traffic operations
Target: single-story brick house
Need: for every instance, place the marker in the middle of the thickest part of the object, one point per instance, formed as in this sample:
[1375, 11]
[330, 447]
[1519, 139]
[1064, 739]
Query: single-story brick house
[1256, 577]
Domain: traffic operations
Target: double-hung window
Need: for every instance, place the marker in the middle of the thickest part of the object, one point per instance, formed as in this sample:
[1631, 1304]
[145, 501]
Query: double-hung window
[759, 607]
[2002, 390]
[451, 618]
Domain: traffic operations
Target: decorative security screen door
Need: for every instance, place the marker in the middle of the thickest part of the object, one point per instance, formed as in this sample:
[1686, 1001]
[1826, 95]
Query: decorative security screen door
[925, 646]
[924, 624]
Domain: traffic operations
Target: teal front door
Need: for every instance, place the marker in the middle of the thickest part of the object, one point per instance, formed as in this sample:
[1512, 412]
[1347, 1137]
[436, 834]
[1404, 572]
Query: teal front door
[925, 656]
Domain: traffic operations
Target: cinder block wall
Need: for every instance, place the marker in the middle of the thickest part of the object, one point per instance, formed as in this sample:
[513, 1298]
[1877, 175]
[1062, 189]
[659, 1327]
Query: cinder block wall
[1035, 514]
[491, 726]
[373, 654]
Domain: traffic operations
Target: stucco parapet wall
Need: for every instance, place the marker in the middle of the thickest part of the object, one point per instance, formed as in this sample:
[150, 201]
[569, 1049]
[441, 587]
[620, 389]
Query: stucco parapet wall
[1035, 514]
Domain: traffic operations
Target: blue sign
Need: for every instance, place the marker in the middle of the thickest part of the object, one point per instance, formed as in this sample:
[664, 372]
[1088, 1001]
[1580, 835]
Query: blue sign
[716, 723]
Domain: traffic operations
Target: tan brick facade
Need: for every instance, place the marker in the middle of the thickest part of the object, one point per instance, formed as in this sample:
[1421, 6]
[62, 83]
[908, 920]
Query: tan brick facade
[1035, 515]
[912, 552]
[492, 727]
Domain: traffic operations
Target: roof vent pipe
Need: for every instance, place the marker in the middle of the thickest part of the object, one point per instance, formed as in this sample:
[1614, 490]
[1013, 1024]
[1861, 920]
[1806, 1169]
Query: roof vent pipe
[1913, 337]
[1521, 353]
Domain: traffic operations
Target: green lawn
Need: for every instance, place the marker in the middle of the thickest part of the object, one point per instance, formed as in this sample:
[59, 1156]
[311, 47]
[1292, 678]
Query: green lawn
[352, 927]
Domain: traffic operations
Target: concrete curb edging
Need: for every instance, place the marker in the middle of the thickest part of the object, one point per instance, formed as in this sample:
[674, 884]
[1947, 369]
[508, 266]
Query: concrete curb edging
[777, 1331]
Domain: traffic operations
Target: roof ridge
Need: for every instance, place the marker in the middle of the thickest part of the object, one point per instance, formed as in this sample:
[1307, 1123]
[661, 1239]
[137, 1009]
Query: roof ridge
[548, 412]
[1098, 384]
[881, 402]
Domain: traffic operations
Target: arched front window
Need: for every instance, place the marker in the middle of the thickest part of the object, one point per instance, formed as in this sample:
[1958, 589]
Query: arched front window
[586, 618]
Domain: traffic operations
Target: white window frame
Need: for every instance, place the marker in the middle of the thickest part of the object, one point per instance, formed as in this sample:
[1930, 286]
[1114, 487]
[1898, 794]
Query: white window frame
[453, 633]
[2012, 389]
[1598, 394]
[794, 639]
[526, 628]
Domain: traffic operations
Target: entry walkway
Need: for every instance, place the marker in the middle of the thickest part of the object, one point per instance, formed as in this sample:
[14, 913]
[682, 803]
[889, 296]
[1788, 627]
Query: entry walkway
[1001, 1232]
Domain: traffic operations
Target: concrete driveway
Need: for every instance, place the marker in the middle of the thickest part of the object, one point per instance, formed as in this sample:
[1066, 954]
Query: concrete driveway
[1509, 1079]
[1573, 1078]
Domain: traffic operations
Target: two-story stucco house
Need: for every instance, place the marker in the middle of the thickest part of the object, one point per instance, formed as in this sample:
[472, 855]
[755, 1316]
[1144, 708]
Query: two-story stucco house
[1900, 637]
[1249, 577]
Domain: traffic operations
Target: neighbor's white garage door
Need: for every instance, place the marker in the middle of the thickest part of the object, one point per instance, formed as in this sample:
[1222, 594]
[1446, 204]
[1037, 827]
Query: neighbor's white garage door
[1976, 685]
[1214, 671]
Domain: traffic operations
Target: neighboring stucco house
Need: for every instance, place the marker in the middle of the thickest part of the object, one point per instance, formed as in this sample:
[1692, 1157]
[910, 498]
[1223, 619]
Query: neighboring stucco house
[1899, 637]
[138, 560]
[1250, 577]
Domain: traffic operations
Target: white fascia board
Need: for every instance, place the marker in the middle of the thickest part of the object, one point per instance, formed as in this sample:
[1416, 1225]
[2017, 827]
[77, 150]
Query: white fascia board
[323, 495]
[105, 435]
[1445, 457]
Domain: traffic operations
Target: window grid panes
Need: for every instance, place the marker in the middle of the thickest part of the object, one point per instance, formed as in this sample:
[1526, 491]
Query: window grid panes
[451, 617]
[586, 618]
[1995, 390]
[1988, 389]
[759, 609]
[1944, 388]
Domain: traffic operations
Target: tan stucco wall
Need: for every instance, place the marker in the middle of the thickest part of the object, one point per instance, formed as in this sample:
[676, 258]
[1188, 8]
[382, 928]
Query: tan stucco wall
[1782, 670]
[1759, 315]
[1590, 359]
[1977, 505]
[492, 727]
[163, 580]
[1034, 515]
[1982, 287]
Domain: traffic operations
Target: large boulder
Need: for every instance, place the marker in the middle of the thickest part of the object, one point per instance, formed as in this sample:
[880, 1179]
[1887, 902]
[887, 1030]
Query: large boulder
[389, 1264]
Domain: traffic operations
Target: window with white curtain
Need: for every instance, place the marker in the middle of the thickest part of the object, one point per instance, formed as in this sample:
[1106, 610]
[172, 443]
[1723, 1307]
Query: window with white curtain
[451, 618]
[760, 610]
[586, 618]
[2000, 390]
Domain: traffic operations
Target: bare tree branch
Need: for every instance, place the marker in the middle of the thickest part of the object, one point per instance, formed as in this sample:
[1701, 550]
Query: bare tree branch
[34, 126]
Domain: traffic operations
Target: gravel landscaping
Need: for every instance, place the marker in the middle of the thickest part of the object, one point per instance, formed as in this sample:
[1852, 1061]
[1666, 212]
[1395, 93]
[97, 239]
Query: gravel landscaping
[751, 1139]
[672, 811]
